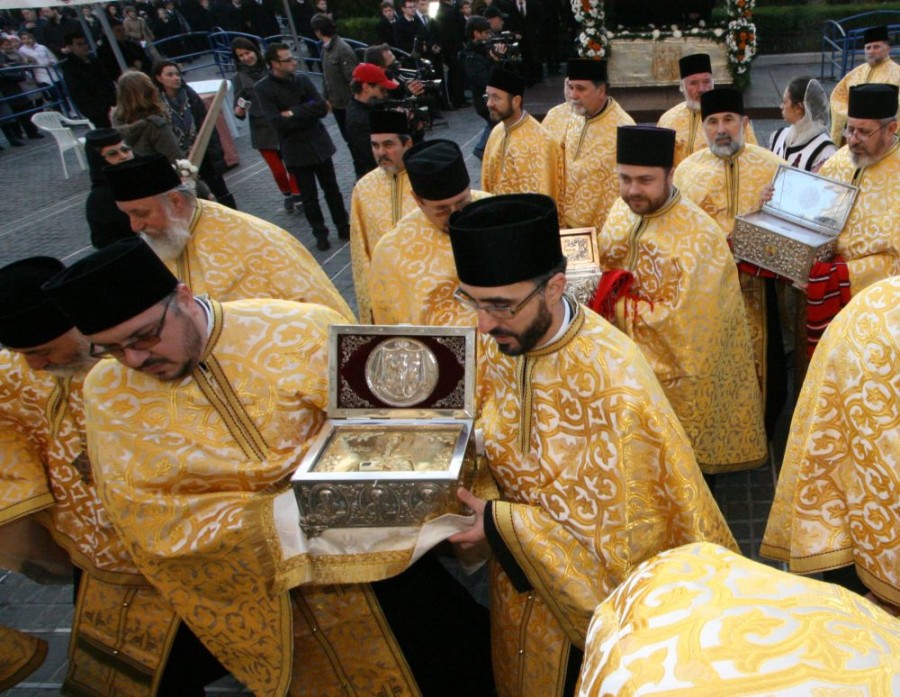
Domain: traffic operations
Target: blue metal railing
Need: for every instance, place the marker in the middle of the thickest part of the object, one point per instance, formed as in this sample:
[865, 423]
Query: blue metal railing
[842, 40]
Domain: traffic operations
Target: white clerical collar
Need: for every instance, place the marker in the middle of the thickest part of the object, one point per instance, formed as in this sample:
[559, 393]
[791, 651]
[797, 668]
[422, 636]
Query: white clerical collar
[567, 320]
[521, 118]
[203, 301]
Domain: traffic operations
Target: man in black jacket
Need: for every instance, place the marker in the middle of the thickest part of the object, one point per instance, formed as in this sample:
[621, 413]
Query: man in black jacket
[105, 147]
[296, 109]
[369, 86]
[90, 87]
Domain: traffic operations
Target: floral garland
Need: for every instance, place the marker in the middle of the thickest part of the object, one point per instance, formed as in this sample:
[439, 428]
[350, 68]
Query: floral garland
[593, 42]
[739, 34]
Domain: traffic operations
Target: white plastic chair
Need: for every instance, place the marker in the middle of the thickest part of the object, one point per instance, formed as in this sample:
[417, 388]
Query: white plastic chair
[57, 125]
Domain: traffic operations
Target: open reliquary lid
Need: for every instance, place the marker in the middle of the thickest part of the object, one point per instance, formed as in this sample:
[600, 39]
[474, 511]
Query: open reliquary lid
[811, 200]
[401, 371]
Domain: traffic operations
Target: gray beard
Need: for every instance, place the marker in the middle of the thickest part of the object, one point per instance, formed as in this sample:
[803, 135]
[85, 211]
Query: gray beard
[725, 150]
[171, 244]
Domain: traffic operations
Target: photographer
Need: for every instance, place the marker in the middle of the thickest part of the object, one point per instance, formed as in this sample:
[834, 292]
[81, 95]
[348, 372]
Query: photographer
[480, 55]
[369, 86]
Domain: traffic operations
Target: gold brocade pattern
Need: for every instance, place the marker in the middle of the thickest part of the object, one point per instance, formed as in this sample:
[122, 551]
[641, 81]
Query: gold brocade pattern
[121, 638]
[591, 185]
[870, 240]
[888, 72]
[20, 655]
[836, 500]
[690, 324]
[413, 275]
[194, 509]
[529, 649]
[378, 202]
[689, 134]
[235, 256]
[557, 122]
[700, 621]
[40, 453]
[343, 646]
[523, 159]
[608, 477]
[725, 190]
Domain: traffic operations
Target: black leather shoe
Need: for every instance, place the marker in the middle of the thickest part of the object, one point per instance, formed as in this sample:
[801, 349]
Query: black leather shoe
[344, 234]
[288, 203]
[16, 142]
[322, 243]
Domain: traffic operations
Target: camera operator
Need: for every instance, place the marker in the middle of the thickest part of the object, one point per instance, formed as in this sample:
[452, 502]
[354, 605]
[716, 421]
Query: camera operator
[417, 98]
[369, 85]
[480, 55]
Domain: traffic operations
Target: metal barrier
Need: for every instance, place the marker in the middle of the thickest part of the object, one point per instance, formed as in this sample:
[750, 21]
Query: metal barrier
[53, 96]
[842, 40]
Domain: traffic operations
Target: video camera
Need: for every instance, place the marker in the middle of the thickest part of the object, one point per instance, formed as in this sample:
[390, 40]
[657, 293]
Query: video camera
[512, 55]
[418, 115]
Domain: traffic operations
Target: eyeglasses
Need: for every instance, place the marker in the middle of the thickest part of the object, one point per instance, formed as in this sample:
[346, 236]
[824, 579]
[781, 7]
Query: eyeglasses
[139, 343]
[498, 311]
[859, 133]
[121, 150]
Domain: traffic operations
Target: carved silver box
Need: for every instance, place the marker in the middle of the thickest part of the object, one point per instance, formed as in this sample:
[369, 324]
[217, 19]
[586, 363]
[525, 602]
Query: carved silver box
[579, 245]
[399, 439]
[798, 227]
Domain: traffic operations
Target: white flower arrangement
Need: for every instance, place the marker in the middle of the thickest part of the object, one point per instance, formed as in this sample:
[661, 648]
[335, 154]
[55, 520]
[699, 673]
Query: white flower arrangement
[739, 33]
[186, 170]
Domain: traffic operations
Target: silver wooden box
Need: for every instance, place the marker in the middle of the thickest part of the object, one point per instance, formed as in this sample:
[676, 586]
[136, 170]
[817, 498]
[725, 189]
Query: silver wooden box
[798, 227]
[399, 439]
[579, 245]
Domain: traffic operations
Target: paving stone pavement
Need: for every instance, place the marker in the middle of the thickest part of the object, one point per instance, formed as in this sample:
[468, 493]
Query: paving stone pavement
[43, 213]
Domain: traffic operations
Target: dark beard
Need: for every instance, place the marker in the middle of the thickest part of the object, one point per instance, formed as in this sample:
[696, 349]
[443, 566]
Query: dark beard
[533, 333]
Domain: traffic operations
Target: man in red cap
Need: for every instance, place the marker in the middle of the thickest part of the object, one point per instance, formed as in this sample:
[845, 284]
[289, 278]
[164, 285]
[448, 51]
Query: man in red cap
[370, 85]
[878, 68]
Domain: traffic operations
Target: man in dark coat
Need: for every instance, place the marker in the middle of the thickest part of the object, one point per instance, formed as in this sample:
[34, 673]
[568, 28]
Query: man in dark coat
[370, 86]
[90, 87]
[260, 18]
[132, 52]
[105, 147]
[295, 108]
[450, 27]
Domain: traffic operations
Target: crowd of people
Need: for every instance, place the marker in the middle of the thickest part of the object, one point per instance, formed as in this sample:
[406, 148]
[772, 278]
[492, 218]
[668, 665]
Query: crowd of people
[158, 394]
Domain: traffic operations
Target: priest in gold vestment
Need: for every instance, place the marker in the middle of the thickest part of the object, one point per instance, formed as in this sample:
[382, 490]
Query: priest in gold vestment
[412, 277]
[594, 471]
[870, 239]
[726, 180]
[194, 432]
[685, 118]
[520, 156]
[123, 632]
[878, 68]
[557, 120]
[379, 199]
[836, 500]
[590, 145]
[683, 307]
[702, 621]
[217, 250]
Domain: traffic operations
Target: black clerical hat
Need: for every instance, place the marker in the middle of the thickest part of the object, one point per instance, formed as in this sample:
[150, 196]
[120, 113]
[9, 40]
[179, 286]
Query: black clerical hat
[873, 100]
[875, 34]
[647, 146]
[111, 286]
[693, 64]
[27, 317]
[141, 177]
[506, 80]
[721, 100]
[436, 169]
[586, 69]
[505, 239]
[388, 121]
[101, 137]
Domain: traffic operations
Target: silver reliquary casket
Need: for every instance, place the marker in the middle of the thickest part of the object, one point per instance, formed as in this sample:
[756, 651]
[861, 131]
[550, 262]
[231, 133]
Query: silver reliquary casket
[798, 227]
[399, 439]
[579, 245]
